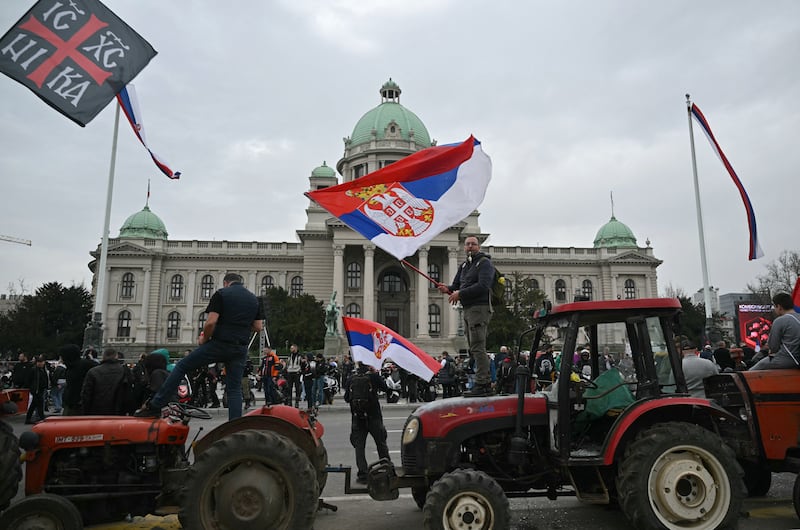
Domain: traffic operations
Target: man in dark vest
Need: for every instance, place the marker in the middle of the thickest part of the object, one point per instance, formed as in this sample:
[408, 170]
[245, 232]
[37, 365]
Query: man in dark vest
[362, 395]
[233, 314]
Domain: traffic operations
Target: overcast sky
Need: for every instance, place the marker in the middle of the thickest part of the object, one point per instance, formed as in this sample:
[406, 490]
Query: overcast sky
[572, 100]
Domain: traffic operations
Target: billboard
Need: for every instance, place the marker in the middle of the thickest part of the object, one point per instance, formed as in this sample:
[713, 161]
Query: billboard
[755, 321]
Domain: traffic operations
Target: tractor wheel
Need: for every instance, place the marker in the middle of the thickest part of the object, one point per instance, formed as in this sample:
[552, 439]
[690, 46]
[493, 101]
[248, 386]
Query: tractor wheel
[10, 464]
[42, 512]
[420, 494]
[466, 498]
[253, 479]
[680, 476]
[757, 480]
[796, 495]
[320, 465]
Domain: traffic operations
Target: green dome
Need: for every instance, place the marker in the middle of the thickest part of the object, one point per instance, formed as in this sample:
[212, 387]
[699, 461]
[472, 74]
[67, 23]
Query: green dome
[144, 225]
[323, 171]
[379, 118]
[614, 234]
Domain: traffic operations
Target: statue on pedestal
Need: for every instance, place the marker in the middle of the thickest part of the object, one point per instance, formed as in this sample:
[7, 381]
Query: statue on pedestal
[331, 316]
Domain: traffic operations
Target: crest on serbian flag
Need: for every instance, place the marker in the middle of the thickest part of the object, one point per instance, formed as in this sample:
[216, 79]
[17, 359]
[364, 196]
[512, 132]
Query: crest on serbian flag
[406, 204]
[372, 344]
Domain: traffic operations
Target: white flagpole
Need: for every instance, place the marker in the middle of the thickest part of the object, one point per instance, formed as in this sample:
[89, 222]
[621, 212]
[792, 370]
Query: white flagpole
[100, 297]
[701, 233]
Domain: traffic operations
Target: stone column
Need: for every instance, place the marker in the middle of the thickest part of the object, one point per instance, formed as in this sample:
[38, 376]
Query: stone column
[252, 277]
[452, 267]
[422, 294]
[190, 290]
[282, 280]
[145, 298]
[614, 287]
[369, 282]
[338, 273]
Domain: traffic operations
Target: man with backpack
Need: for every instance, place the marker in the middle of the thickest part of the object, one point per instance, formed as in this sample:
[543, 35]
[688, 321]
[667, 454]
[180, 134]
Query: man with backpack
[362, 395]
[447, 376]
[472, 287]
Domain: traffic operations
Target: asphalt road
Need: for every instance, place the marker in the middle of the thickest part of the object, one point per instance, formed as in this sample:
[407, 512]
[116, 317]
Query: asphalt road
[356, 512]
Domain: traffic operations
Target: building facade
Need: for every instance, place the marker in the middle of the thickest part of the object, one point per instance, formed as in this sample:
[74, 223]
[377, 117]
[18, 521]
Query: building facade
[158, 288]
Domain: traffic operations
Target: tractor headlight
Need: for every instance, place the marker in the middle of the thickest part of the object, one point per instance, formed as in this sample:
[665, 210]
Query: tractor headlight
[411, 431]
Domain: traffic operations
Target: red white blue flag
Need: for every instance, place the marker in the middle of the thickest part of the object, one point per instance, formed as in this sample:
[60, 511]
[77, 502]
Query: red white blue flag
[74, 55]
[372, 344]
[129, 104]
[796, 296]
[755, 248]
[406, 204]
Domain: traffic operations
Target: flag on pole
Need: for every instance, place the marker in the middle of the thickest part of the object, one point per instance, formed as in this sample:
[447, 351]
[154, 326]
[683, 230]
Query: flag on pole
[372, 343]
[796, 295]
[755, 249]
[130, 106]
[73, 55]
[406, 204]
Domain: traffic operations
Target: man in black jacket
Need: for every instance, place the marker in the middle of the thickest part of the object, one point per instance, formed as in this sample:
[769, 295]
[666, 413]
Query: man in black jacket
[471, 286]
[37, 382]
[21, 372]
[107, 389]
[366, 417]
[77, 368]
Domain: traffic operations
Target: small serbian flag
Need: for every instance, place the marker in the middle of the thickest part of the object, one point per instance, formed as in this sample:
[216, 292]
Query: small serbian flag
[406, 204]
[129, 104]
[373, 343]
[755, 249]
[796, 296]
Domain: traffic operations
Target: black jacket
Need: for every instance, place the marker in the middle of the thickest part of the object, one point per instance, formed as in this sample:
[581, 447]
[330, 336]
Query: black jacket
[373, 406]
[474, 280]
[76, 373]
[103, 389]
[21, 374]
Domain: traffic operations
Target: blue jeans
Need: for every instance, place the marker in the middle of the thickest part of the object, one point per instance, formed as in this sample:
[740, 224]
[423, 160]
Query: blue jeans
[234, 356]
[319, 390]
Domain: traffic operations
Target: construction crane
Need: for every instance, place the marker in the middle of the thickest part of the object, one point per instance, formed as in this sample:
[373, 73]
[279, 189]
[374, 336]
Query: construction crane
[12, 239]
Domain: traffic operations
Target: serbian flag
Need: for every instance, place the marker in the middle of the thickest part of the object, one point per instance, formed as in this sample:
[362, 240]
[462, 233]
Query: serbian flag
[129, 104]
[406, 204]
[796, 295]
[755, 248]
[373, 343]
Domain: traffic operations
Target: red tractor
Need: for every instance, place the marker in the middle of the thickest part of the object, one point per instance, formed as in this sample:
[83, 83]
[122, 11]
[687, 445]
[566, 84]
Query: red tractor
[263, 470]
[627, 434]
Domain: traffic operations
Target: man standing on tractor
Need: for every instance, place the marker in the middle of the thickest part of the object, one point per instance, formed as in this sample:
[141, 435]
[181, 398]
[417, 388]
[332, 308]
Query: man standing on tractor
[471, 286]
[362, 394]
[233, 314]
[784, 337]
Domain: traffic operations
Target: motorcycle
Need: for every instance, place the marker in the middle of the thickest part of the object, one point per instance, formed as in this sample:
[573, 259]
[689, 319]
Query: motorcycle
[331, 388]
[392, 378]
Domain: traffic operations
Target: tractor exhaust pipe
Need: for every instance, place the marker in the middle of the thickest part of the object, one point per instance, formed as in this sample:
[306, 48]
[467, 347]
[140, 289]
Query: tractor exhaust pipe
[518, 445]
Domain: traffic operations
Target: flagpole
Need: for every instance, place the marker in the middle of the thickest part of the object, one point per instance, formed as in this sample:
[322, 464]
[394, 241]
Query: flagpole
[434, 282]
[100, 295]
[701, 232]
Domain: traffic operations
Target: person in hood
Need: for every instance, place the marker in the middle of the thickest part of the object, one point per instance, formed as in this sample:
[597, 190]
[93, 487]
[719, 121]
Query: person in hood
[77, 368]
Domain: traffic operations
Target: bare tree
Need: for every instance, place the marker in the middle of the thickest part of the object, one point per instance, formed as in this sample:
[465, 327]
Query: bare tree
[674, 292]
[781, 275]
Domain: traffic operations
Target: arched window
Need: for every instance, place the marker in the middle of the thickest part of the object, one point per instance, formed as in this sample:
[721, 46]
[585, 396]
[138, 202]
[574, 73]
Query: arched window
[173, 325]
[176, 287]
[509, 292]
[353, 310]
[534, 284]
[296, 287]
[124, 323]
[353, 275]
[561, 291]
[434, 272]
[267, 282]
[630, 289]
[391, 283]
[434, 319]
[128, 284]
[206, 287]
[587, 289]
[201, 321]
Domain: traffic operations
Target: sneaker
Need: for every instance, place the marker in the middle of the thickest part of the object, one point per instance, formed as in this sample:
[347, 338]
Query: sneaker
[479, 391]
[147, 412]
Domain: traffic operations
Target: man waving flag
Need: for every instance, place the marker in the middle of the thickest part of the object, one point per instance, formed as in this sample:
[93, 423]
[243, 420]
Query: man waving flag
[406, 204]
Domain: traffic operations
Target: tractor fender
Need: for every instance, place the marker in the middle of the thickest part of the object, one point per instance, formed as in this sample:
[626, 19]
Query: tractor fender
[653, 411]
[288, 422]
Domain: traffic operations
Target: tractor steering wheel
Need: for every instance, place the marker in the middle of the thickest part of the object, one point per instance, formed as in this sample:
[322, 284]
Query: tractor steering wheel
[185, 410]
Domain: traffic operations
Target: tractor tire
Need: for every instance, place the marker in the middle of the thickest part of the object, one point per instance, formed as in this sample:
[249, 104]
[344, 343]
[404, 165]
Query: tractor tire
[42, 512]
[420, 494]
[679, 476]
[320, 465]
[250, 479]
[796, 495]
[757, 480]
[466, 498]
[9, 464]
